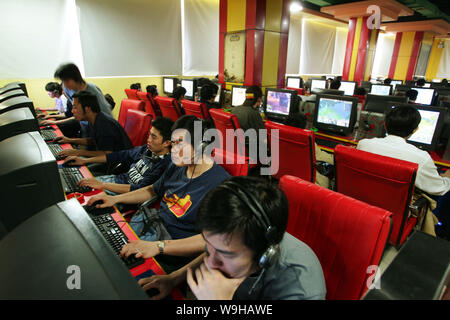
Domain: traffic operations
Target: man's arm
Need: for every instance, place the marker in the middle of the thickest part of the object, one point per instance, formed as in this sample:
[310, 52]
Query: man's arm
[134, 197]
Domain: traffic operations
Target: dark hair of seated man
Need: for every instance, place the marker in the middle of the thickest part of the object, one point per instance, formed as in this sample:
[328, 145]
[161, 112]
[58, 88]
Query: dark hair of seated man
[402, 121]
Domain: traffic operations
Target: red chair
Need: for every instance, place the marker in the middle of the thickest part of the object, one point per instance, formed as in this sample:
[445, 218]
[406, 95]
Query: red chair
[225, 121]
[380, 181]
[126, 105]
[297, 156]
[197, 109]
[361, 99]
[132, 94]
[347, 236]
[150, 105]
[169, 107]
[137, 126]
[234, 164]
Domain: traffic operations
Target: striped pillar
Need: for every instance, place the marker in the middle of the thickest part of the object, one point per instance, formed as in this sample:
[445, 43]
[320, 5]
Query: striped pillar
[359, 52]
[435, 59]
[265, 24]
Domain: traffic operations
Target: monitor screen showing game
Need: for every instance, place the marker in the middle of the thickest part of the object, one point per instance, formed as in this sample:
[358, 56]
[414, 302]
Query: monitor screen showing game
[278, 101]
[429, 127]
[335, 114]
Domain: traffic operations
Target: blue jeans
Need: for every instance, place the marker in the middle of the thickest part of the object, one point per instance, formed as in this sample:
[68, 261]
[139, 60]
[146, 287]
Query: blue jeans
[442, 212]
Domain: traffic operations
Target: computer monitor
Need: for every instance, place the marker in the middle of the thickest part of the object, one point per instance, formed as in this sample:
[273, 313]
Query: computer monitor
[381, 89]
[169, 84]
[219, 93]
[13, 86]
[318, 84]
[294, 82]
[425, 96]
[394, 83]
[11, 94]
[17, 121]
[68, 257]
[348, 87]
[379, 104]
[29, 178]
[430, 126]
[335, 114]
[17, 102]
[191, 88]
[279, 103]
[334, 92]
[427, 84]
[238, 95]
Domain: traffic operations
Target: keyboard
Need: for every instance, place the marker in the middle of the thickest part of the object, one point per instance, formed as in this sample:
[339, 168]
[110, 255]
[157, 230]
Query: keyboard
[70, 178]
[327, 143]
[48, 135]
[55, 149]
[116, 238]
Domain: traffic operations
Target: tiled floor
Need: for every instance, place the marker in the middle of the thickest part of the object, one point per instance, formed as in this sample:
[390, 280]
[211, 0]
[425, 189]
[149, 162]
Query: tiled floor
[388, 256]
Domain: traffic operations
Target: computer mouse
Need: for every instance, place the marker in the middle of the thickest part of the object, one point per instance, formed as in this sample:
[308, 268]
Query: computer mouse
[152, 292]
[96, 203]
[49, 128]
[68, 164]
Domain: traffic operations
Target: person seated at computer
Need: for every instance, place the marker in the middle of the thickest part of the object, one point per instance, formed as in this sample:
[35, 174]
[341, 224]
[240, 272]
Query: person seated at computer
[135, 86]
[106, 134]
[412, 95]
[329, 81]
[181, 189]
[387, 81]
[110, 100]
[208, 94]
[152, 91]
[54, 90]
[335, 84]
[179, 94]
[147, 163]
[248, 253]
[445, 81]
[420, 82]
[401, 123]
[248, 113]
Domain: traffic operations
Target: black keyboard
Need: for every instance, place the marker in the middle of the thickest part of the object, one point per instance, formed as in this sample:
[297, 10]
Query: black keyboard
[116, 238]
[48, 135]
[55, 149]
[70, 178]
[327, 143]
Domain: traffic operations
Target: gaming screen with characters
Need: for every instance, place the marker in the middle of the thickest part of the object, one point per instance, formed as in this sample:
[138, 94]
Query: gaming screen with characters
[278, 102]
[427, 127]
[335, 112]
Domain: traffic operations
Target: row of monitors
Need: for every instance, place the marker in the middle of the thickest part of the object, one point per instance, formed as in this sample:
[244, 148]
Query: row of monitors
[169, 84]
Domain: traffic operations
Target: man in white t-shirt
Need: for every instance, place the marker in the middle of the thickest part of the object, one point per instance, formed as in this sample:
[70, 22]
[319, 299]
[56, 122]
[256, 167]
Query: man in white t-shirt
[401, 123]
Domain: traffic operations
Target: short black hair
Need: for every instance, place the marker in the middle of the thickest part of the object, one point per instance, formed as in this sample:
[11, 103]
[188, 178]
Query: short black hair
[335, 84]
[257, 93]
[152, 89]
[164, 126]
[69, 71]
[223, 212]
[87, 99]
[421, 82]
[178, 92]
[387, 81]
[188, 123]
[110, 100]
[402, 120]
[360, 91]
[208, 91]
[412, 94]
[53, 86]
[136, 86]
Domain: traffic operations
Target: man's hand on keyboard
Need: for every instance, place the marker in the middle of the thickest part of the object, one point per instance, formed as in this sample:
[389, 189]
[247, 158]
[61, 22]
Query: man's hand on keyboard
[47, 122]
[91, 183]
[164, 283]
[108, 201]
[74, 161]
[69, 152]
[140, 248]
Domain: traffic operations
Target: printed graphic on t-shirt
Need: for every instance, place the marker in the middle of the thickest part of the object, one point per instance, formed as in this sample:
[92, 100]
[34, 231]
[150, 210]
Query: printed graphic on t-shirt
[178, 206]
[136, 174]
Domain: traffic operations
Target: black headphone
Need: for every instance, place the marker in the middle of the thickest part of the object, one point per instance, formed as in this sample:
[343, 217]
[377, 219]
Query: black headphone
[270, 255]
[152, 157]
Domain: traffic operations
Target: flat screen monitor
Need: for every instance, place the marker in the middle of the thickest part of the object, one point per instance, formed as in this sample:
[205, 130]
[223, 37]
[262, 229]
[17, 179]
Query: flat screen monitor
[318, 84]
[11, 94]
[279, 103]
[17, 102]
[29, 178]
[348, 87]
[238, 95]
[294, 82]
[69, 257]
[379, 104]
[427, 85]
[424, 95]
[191, 88]
[430, 126]
[335, 114]
[17, 121]
[394, 83]
[219, 93]
[169, 84]
[13, 86]
[380, 89]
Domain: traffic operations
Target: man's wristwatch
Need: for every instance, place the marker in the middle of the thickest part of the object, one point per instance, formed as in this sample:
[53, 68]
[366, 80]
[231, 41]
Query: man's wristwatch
[161, 245]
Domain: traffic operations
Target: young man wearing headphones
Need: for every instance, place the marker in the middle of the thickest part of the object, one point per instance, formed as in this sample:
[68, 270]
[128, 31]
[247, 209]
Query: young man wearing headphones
[248, 254]
[182, 187]
[147, 163]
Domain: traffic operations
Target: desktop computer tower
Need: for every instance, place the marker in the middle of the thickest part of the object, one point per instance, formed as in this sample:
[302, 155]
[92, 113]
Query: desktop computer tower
[370, 125]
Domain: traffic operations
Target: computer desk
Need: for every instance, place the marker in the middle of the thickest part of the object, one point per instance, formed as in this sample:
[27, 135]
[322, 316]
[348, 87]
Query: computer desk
[149, 264]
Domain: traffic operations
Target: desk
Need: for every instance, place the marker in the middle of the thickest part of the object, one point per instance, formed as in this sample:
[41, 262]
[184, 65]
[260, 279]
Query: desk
[421, 270]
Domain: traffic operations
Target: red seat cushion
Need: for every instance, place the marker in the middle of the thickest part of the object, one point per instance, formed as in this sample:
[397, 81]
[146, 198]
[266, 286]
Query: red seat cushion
[132, 94]
[125, 106]
[137, 126]
[169, 107]
[197, 109]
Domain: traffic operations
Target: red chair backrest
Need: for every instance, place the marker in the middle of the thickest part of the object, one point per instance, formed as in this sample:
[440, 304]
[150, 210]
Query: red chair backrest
[169, 107]
[380, 181]
[150, 104]
[297, 156]
[234, 164]
[197, 109]
[224, 121]
[132, 94]
[126, 105]
[137, 126]
[347, 236]
[361, 99]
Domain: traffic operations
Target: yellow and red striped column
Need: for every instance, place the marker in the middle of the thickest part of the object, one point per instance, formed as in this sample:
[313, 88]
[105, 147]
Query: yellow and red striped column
[359, 52]
[266, 26]
[435, 58]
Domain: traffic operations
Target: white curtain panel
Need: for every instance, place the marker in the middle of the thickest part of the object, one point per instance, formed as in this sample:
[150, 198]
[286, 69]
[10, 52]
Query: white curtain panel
[317, 49]
[36, 36]
[201, 37]
[294, 46]
[383, 55]
[444, 66]
[130, 38]
[339, 51]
